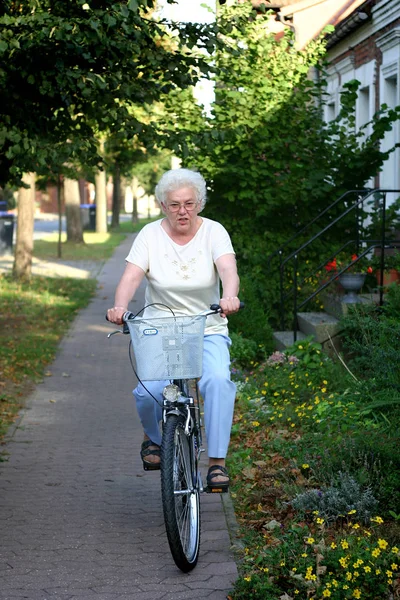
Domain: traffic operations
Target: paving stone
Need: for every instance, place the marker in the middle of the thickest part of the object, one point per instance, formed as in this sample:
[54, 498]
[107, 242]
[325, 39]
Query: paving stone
[79, 518]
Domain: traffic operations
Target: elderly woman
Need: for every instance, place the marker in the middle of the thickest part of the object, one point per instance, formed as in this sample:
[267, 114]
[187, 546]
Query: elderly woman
[185, 259]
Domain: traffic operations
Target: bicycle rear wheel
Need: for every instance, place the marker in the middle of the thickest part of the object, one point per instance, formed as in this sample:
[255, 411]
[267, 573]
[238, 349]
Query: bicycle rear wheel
[180, 493]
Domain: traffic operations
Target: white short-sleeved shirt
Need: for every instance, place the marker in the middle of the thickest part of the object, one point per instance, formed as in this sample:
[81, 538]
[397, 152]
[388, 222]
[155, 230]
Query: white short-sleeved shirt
[184, 278]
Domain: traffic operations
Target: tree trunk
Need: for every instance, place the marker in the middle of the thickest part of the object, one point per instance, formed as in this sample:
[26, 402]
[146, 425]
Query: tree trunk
[116, 200]
[134, 187]
[100, 183]
[124, 185]
[26, 219]
[59, 209]
[73, 211]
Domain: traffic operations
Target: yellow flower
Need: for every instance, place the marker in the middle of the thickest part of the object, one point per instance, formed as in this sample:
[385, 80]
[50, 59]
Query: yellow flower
[344, 544]
[255, 424]
[394, 566]
[382, 544]
[304, 555]
[320, 521]
[345, 587]
[325, 382]
[326, 593]
[310, 540]
[247, 578]
[323, 390]
[375, 553]
[355, 526]
[333, 545]
[357, 593]
[378, 520]
[367, 569]
[305, 466]
[352, 512]
[395, 550]
[378, 572]
[276, 393]
[389, 573]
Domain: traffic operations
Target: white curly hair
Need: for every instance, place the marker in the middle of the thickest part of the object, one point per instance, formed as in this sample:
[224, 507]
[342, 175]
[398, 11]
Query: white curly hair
[179, 178]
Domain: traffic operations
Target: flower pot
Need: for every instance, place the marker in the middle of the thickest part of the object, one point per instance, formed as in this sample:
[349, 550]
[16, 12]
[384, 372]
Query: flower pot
[391, 276]
[351, 283]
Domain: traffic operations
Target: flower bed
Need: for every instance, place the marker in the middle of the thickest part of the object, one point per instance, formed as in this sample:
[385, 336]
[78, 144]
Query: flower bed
[315, 486]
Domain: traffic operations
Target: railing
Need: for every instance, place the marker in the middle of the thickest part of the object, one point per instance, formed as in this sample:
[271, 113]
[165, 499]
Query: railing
[363, 248]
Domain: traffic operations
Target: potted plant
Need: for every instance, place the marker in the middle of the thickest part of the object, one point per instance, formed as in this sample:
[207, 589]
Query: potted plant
[353, 278]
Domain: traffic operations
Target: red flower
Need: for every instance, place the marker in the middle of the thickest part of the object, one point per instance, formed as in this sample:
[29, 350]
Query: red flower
[331, 266]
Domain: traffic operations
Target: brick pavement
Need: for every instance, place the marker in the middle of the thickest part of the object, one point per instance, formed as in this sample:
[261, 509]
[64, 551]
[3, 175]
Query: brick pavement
[79, 518]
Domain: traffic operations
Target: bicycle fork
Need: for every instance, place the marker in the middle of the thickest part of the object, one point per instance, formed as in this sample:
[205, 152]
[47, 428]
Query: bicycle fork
[185, 407]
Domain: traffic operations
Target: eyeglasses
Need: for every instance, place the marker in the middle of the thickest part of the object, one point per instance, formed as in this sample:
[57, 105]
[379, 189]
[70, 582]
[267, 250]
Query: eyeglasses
[175, 206]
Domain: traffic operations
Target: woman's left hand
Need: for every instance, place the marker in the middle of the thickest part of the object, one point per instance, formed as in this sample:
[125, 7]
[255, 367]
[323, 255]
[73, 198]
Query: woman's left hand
[229, 305]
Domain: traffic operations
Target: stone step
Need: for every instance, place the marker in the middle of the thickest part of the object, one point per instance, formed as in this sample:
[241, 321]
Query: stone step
[320, 325]
[334, 305]
[284, 339]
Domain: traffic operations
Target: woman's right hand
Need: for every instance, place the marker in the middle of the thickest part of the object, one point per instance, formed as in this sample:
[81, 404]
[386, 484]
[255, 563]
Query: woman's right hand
[115, 314]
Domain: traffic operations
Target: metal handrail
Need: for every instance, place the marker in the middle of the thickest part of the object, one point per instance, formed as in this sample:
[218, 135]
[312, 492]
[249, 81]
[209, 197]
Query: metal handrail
[279, 250]
[383, 243]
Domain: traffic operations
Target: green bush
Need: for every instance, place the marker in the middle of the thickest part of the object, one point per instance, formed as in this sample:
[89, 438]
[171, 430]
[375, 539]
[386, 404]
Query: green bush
[244, 351]
[252, 321]
[371, 340]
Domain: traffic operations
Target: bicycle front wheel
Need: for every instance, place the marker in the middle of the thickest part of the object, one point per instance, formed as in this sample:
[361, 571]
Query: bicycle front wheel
[180, 493]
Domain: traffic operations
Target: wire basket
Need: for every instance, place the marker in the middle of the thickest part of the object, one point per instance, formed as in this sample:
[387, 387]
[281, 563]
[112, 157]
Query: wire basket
[168, 347]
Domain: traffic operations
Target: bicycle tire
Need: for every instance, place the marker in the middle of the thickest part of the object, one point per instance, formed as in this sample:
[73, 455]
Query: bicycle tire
[181, 510]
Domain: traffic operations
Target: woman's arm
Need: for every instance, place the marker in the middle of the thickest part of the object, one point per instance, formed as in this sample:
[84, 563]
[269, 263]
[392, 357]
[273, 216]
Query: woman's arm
[126, 289]
[227, 271]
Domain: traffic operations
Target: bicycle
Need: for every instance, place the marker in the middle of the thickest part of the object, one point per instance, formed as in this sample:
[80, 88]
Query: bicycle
[171, 348]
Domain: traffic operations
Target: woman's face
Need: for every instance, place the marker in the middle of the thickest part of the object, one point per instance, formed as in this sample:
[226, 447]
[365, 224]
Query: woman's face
[181, 209]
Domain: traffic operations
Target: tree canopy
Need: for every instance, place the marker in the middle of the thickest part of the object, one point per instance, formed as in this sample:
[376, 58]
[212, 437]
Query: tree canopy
[71, 69]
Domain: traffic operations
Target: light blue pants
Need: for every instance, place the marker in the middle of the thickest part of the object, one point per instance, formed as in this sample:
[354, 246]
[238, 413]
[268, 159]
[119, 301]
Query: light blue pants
[216, 388]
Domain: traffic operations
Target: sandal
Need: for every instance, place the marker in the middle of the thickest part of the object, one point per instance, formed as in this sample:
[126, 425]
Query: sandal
[146, 451]
[217, 487]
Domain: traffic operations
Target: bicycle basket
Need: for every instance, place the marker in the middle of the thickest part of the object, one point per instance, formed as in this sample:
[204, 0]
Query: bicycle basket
[168, 347]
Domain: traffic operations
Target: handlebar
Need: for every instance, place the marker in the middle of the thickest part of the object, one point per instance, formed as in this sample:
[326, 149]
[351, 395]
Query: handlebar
[214, 308]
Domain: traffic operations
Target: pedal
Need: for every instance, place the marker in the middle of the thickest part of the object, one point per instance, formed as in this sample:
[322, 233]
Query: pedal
[215, 490]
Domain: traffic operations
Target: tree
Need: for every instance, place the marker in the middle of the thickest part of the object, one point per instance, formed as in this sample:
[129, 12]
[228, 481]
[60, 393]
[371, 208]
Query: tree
[68, 68]
[271, 161]
[71, 70]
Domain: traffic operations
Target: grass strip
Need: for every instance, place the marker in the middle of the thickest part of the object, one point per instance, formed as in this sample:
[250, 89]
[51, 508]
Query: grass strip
[96, 246]
[34, 316]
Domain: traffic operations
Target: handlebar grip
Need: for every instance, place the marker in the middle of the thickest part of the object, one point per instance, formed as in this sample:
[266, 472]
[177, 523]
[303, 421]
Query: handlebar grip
[217, 307]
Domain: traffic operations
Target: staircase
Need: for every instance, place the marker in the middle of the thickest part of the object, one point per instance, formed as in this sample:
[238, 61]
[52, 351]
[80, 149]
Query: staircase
[322, 326]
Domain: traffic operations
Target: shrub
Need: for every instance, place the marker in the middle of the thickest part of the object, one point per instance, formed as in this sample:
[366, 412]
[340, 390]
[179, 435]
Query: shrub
[245, 351]
[337, 501]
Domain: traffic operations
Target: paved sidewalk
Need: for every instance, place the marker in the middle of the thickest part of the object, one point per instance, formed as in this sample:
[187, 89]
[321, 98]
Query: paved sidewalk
[79, 518]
